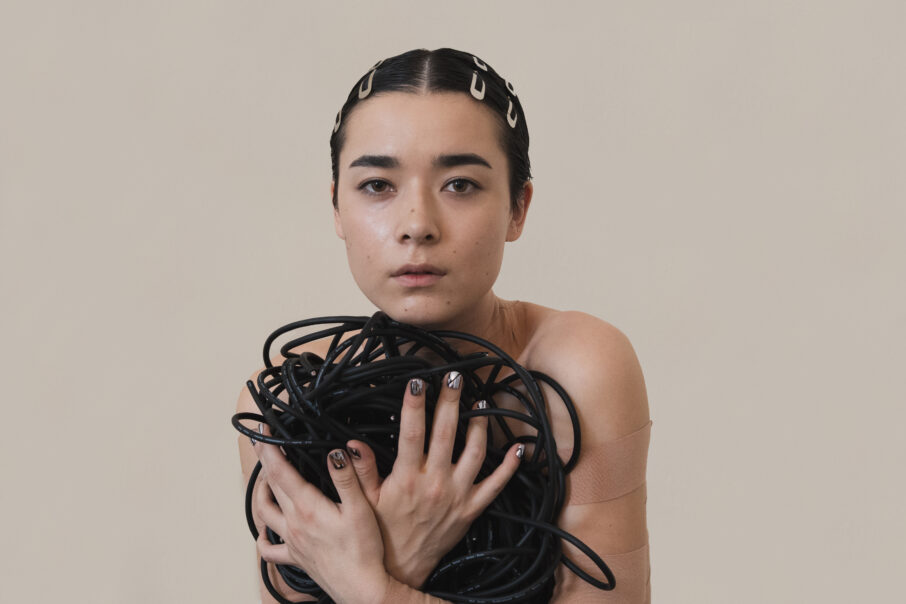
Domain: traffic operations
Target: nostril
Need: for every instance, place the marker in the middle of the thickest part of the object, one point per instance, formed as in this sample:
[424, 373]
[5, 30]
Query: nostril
[426, 237]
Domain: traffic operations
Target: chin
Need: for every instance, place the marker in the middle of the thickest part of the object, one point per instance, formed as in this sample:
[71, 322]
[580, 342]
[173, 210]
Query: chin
[424, 314]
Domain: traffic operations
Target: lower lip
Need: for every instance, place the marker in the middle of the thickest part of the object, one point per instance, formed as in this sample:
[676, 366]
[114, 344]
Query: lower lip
[418, 279]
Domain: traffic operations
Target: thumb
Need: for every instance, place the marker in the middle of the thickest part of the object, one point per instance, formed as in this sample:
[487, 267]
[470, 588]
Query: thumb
[365, 464]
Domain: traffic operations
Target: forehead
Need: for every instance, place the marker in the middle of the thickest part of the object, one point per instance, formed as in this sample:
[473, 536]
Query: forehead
[420, 126]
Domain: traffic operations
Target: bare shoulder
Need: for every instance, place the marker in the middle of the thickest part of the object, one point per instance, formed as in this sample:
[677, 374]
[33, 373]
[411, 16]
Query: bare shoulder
[597, 365]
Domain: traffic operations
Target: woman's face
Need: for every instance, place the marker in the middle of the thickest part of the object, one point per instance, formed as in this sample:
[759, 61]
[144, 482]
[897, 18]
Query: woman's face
[424, 205]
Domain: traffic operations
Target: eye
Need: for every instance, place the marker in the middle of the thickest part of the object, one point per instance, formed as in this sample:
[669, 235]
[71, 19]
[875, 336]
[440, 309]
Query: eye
[375, 187]
[463, 185]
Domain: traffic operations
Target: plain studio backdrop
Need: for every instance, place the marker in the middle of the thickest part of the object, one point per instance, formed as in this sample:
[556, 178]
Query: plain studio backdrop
[723, 181]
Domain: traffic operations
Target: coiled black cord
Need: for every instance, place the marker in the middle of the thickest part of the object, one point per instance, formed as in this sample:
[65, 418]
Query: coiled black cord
[510, 553]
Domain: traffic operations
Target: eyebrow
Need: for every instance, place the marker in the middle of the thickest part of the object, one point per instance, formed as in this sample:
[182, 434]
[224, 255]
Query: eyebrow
[441, 161]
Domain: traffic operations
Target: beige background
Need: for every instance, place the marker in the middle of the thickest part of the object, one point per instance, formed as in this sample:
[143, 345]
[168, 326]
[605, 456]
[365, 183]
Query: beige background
[721, 180]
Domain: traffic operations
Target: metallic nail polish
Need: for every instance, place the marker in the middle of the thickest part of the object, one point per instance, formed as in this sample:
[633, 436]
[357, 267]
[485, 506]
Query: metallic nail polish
[354, 452]
[416, 386]
[338, 459]
[454, 380]
[481, 405]
[520, 451]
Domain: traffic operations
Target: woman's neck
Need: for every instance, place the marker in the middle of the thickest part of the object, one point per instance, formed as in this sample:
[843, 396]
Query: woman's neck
[501, 322]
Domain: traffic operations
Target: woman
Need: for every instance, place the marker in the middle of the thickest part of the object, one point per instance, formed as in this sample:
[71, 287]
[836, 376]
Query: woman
[430, 180]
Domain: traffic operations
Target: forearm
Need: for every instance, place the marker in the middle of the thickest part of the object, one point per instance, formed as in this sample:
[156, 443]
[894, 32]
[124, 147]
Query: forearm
[400, 593]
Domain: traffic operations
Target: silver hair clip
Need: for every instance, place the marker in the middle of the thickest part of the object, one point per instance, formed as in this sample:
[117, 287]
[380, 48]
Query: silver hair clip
[510, 88]
[366, 92]
[511, 119]
[363, 92]
[478, 94]
[481, 65]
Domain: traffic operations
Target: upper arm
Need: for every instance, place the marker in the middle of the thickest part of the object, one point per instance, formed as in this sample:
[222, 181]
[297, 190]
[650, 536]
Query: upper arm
[247, 460]
[598, 367]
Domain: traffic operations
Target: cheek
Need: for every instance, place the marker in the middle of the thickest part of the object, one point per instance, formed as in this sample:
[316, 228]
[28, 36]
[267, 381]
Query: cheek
[486, 255]
[366, 229]
[362, 246]
[489, 238]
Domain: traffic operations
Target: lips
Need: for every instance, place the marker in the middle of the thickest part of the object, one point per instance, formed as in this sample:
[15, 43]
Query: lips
[418, 275]
[418, 269]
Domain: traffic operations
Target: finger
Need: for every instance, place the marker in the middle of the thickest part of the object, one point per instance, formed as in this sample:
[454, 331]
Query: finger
[345, 479]
[410, 450]
[473, 454]
[489, 488]
[284, 480]
[365, 465]
[267, 510]
[276, 553]
[446, 418]
[260, 485]
[273, 457]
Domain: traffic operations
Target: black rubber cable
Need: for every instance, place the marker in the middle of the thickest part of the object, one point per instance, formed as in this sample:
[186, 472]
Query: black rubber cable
[511, 551]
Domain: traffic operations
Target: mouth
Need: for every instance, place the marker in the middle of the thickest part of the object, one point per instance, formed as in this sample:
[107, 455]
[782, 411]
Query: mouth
[418, 270]
[418, 275]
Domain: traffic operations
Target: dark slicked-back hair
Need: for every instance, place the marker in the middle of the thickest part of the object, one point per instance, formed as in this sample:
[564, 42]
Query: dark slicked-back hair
[444, 70]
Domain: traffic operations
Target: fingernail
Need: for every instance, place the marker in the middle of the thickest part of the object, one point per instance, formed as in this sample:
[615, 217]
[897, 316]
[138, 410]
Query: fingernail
[354, 452]
[481, 405]
[252, 440]
[454, 380]
[338, 459]
[260, 428]
[416, 386]
[520, 451]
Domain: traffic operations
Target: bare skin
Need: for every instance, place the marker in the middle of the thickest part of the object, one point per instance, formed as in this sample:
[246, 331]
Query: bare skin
[458, 220]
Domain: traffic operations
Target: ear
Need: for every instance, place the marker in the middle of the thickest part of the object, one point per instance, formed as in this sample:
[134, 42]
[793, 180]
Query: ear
[337, 225]
[517, 218]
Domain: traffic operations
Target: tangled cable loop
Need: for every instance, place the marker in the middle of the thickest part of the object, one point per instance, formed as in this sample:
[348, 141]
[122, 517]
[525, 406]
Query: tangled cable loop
[511, 552]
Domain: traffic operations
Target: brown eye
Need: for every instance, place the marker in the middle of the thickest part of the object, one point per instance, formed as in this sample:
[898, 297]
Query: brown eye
[462, 185]
[375, 187]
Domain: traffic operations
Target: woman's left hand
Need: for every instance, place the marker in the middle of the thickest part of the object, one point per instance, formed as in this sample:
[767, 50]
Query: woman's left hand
[339, 545]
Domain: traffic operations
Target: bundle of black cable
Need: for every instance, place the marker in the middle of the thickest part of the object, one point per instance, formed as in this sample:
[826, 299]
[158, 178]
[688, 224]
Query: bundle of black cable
[511, 551]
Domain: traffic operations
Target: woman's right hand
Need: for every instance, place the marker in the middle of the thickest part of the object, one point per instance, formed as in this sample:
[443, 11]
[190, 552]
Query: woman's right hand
[427, 503]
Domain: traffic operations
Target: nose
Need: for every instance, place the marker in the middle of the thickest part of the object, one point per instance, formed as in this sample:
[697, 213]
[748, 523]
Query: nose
[419, 220]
